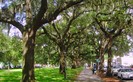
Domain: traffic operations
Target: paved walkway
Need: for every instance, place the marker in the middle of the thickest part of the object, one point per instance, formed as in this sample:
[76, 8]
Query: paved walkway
[87, 76]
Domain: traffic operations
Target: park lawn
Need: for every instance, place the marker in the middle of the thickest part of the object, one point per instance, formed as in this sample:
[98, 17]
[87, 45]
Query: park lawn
[42, 75]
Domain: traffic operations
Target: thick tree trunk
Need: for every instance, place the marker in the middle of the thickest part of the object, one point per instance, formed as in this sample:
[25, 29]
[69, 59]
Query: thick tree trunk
[62, 69]
[28, 56]
[102, 51]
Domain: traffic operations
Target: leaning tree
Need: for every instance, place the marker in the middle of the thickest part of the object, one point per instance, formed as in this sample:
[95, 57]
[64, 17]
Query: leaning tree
[28, 16]
[62, 31]
[112, 19]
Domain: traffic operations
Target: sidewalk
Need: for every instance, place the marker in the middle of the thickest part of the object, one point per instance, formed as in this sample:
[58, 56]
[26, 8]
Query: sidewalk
[87, 76]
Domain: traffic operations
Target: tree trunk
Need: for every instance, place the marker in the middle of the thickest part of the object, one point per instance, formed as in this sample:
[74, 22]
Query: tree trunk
[74, 64]
[104, 45]
[109, 58]
[28, 56]
[97, 61]
[73, 59]
[101, 61]
[62, 69]
[109, 63]
[9, 65]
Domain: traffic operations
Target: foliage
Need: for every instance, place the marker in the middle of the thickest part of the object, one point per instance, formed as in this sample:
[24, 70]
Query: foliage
[81, 28]
[121, 46]
[36, 14]
[112, 20]
[45, 51]
[10, 49]
[3, 45]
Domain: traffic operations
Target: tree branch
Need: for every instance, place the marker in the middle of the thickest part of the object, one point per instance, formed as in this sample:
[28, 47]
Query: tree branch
[14, 23]
[101, 27]
[49, 36]
[70, 22]
[118, 33]
[52, 16]
[28, 10]
[56, 29]
[41, 12]
[70, 37]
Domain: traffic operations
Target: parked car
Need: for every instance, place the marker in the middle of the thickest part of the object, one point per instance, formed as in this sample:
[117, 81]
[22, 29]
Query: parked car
[115, 70]
[38, 66]
[125, 73]
[105, 68]
[131, 66]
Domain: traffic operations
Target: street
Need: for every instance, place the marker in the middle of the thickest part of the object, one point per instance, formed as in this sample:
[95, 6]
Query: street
[127, 80]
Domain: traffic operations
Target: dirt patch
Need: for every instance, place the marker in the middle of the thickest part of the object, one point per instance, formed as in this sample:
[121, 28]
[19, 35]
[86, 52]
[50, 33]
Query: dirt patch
[110, 79]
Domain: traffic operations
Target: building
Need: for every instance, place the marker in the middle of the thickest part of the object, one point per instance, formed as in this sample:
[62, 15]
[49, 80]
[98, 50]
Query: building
[126, 60]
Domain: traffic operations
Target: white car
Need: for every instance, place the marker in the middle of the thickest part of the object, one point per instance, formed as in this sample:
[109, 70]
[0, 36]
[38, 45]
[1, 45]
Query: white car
[115, 70]
[125, 73]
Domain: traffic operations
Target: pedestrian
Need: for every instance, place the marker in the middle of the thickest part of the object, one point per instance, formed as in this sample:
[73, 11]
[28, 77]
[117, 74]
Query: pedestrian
[86, 65]
[94, 69]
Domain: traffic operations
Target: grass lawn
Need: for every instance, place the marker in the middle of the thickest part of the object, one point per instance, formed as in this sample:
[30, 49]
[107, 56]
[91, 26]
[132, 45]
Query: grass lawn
[42, 75]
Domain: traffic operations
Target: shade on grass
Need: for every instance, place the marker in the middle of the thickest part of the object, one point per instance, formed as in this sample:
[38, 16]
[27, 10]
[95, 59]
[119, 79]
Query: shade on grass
[42, 75]
[13, 75]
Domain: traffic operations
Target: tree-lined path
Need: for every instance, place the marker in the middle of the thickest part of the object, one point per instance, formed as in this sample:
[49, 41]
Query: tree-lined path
[87, 76]
[64, 34]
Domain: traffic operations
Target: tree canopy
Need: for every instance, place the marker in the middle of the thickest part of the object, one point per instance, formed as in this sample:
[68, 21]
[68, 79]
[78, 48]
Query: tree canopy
[59, 29]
